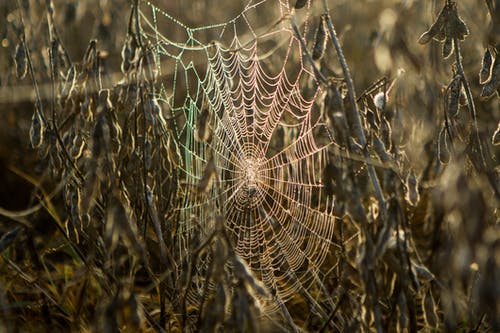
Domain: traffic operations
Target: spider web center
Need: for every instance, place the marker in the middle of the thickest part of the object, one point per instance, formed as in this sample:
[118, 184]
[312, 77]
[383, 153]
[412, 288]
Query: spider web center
[252, 176]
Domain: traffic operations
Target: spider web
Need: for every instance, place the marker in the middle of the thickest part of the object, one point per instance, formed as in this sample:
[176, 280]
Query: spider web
[267, 145]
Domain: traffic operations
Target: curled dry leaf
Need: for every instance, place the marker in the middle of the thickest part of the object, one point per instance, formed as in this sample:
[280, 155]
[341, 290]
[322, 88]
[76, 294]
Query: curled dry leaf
[447, 27]
[436, 27]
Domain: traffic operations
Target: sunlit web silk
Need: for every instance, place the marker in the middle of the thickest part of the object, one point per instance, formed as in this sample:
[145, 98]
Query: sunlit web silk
[268, 149]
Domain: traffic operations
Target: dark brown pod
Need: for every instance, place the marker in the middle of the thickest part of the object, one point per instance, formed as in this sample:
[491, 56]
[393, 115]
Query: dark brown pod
[486, 63]
[447, 47]
[455, 27]
[202, 132]
[21, 61]
[320, 40]
[493, 83]
[300, 4]
[207, 178]
[36, 130]
[443, 146]
[412, 195]
[453, 96]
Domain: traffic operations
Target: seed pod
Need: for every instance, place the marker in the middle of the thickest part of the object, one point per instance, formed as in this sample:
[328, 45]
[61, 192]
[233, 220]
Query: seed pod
[463, 97]
[37, 129]
[173, 154]
[90, 56]
[386, 132]
[212, 316]
[77, 147]
[429, 309]
[155, 108]
[486, 63]
[412, 195]
[202, 125]
[421, 272]
[328, 181]
[119, 226]
[100, 137]
[244, 273]
[129, 53]
[402, 310]
[116, 219]
[207, 177]
[320, 40]
[300, 4]
[334, 182]
[493, 83]
[448, 48]
[440, 36]
[70, 12]
[54, 56]
[443, 146]
[126, 57]
[453, 96]
[495, 139]
[436, 27]
[69, 84]
[333, 102]
[147, 154]
[380, 149]
[86, 109]
[455, 27]
[149, 68]
[9, 237]
[21, 61]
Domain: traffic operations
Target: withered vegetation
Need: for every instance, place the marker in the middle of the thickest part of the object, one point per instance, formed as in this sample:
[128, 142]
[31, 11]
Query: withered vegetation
[253, 166]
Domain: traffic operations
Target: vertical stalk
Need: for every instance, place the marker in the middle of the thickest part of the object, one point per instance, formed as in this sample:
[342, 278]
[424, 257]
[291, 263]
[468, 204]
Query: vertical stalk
[355, 114]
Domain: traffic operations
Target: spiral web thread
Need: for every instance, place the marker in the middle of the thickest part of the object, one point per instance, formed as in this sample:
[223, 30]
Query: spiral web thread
[268, 148]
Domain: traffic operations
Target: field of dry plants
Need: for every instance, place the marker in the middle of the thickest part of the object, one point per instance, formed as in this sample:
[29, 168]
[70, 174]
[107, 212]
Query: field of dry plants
[249, 166]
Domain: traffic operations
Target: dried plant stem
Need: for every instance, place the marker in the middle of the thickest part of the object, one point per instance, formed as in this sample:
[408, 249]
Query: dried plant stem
[358, 129]
[355, 116]
[39, 105]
